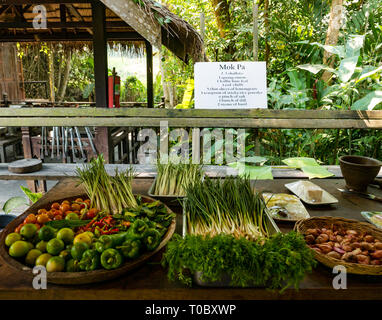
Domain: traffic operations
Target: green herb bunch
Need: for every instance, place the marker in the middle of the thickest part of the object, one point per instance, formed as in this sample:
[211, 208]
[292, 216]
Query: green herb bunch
[173, 179]
[229, 205]
[108, 193]
[277, 263]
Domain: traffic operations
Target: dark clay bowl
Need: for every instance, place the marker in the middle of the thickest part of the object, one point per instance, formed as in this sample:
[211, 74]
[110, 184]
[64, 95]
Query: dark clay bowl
[358, 171]
[5, 219]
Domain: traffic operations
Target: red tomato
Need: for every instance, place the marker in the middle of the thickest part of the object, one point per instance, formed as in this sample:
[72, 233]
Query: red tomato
[92, 213]
[31, 218]
[65, 207]
[56, 205]
[41, 211]
[58, 217]
[76, 207]
[43, 218]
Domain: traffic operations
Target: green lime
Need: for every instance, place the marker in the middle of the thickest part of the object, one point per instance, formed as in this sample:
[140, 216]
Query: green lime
[72, 266]
[12, 238]
[30, 244]
[55, 246]
[72, 216]
[32, 257]
[66, 235]
[78, 250]
[19, 249]
[65, 254]
[28, 231]
[43, 259]
[41, 246]
[55, 264]
[46, 233]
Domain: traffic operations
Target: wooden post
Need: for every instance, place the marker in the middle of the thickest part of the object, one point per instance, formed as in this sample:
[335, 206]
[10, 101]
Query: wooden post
[196, 150]
[100, 54]
[103, 139]
[256, 58]
[150, 75]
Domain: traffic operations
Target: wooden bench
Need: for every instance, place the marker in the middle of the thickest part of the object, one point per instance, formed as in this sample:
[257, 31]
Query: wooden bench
[15, 142]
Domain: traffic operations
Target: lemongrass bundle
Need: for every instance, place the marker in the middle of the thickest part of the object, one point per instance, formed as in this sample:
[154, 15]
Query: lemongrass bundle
[173, 179]
[107, 193]
[229, 206]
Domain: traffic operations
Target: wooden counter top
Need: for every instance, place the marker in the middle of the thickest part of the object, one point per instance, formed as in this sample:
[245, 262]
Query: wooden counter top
[150, 281]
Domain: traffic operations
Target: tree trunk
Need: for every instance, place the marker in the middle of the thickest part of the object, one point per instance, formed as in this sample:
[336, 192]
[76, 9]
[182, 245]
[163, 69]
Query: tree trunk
[51, 73]
[332, 35]
[266, 25]
[65, 80]
[222, 15]
[59, 74]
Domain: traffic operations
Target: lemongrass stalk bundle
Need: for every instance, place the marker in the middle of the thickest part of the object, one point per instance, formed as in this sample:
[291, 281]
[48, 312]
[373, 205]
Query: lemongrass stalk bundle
[107, 193]
[172, 179]
[228, 206]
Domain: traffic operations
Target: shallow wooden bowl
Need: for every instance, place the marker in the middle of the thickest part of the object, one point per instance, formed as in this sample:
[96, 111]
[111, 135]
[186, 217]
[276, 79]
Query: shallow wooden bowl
[328, 222]
[75, 278]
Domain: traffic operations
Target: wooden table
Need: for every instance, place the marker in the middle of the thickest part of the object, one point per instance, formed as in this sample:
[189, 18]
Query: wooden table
[150, 281]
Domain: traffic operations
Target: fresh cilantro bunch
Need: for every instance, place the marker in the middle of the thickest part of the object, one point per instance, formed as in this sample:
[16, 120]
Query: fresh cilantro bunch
[276, 263]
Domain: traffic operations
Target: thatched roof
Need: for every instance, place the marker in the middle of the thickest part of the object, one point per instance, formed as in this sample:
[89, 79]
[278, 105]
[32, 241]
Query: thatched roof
[129, 22]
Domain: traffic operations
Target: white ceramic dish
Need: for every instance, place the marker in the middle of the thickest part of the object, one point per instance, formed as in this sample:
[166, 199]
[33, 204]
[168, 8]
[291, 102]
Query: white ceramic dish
[287, 203]
[300, 187]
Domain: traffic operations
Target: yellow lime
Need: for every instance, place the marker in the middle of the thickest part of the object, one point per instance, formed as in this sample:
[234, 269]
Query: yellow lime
[12, 238]
[32, 257]
[66, 235]
[19, 249]
[43, 259]
[55, 264]
[41, 246]
[55, 246]
[29, 230]
[83, 237]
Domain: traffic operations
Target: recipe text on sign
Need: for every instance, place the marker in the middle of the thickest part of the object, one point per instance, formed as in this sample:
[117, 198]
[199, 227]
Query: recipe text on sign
[231, 85]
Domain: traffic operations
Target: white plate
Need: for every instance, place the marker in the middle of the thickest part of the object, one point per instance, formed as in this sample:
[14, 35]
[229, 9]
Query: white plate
[292, 204]
[300, 186]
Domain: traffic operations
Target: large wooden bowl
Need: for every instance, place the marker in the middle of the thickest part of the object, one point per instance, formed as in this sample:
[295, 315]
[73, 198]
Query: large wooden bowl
[74, 278]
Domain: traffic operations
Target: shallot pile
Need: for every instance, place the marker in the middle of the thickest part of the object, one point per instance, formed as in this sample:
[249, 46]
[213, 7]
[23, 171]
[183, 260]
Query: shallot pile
[348, 245]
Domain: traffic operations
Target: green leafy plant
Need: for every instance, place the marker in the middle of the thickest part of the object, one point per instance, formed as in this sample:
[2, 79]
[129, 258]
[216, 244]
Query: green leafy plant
[280, 262]
[16, 202]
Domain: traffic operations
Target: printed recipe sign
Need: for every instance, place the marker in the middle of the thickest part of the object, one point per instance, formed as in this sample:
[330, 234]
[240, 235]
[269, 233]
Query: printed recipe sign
[230, 85]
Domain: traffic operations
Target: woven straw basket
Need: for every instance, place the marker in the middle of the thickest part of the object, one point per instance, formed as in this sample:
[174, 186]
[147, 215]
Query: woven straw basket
[327, 222]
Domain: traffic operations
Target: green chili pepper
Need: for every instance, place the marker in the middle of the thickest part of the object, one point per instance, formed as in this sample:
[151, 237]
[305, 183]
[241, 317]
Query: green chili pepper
[139, 227]
[152, 239]
[72, 266]
[131, 248]
[90, 260]
[111, 259]
[109, 241]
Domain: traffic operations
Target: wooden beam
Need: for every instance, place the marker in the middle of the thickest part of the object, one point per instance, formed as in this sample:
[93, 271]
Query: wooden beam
[19, 13]
[76, 14]
[36, 2]
[66, 36]
[3, 9]
[150, 75]
[63, 13]
[191, 113]
[193, 122]
[60, 25]
[100, 54]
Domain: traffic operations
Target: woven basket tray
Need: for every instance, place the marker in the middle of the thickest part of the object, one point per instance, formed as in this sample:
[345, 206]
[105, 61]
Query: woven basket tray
[327, 222]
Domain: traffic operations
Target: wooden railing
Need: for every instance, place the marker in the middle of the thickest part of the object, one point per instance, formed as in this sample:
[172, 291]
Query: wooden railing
[144, 117]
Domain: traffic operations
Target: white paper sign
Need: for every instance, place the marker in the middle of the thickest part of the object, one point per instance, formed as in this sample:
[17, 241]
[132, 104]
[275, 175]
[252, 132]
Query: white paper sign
[230, 85]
